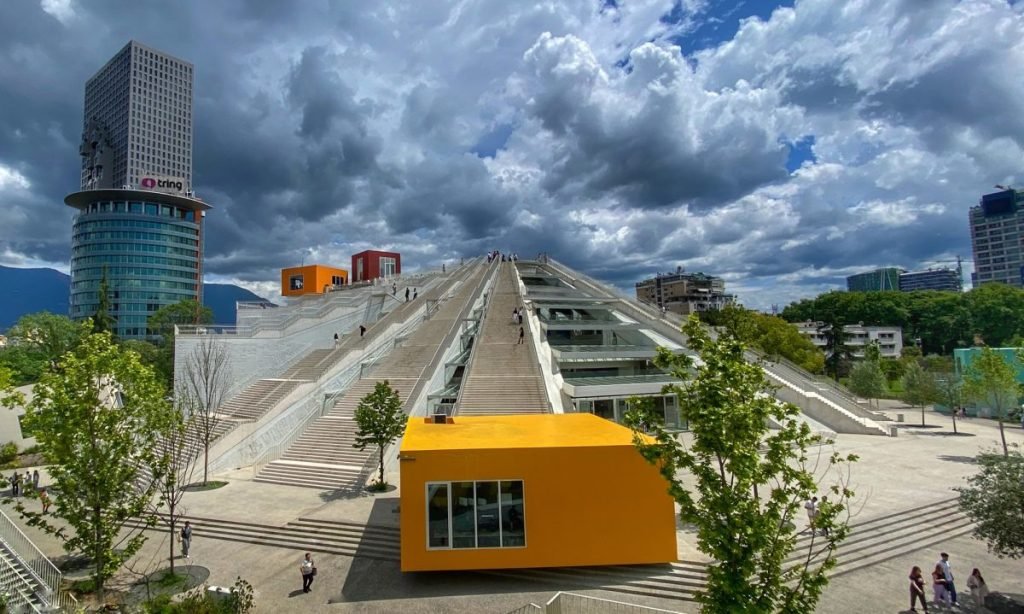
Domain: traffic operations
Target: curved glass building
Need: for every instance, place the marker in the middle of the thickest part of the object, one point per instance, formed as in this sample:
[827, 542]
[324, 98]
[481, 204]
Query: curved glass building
[149, 244]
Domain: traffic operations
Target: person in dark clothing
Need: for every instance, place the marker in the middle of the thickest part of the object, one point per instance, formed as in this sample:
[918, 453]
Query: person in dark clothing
[362, 330]
[521, 334]
[407, 295]
[186, 539]
[917, 589]
[415, 293]
[519, 316]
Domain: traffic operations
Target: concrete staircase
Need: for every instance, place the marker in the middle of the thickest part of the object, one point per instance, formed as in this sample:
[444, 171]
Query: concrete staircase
[301, 535]
[258, 398]
[870, 542]
[21, 585]
[323, 456]
[503, 376]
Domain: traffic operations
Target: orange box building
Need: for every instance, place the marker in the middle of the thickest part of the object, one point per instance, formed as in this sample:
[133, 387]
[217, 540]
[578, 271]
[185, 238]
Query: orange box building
[550, 490]
[312, 279]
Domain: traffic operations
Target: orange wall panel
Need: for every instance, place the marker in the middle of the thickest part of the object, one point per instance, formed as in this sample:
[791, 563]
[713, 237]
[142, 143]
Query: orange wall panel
[314, 278]
[597, 505]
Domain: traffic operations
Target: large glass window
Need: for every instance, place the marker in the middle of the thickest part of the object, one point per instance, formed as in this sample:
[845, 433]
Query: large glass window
[387, 266]
[485, 514]
[295, 282]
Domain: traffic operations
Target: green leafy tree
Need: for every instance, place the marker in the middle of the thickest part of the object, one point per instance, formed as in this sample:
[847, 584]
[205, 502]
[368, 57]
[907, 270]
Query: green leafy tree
[155, 357]
[187, 312]
[175, 464]
[98, 418]
[918, 388]
[744, 484]
[997, 312]
[994, 500]
[9, 397]
[949, 390]
[380, 420]
[866, 377]
[771, 335]
[102, 321]
[837, 353]
[990, 380]
[37, 341]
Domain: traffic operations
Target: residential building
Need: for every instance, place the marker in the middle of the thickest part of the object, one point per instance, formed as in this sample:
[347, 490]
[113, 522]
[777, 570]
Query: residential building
[684, 293]
[889, 338]
[139, 224]
[879, 280]
[997, 238]
[372, 264]
[137, 124]
[311, 279]
[931, 279]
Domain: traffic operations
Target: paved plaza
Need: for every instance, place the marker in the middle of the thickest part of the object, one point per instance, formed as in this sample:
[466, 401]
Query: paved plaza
[904, 515]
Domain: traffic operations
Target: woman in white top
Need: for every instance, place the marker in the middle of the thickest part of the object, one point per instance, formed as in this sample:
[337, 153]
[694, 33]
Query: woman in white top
[308, 570]
[978, 587]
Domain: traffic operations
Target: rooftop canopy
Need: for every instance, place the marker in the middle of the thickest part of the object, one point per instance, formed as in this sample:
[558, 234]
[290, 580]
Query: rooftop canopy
[520, 431]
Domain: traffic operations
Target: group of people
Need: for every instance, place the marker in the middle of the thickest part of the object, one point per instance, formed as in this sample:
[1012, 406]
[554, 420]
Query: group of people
[492, 256]
[943, 585]
[517, 318]
[19, 484]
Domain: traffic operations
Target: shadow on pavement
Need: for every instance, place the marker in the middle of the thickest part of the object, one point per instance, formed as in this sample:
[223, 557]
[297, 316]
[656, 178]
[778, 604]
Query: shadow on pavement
[970, 460]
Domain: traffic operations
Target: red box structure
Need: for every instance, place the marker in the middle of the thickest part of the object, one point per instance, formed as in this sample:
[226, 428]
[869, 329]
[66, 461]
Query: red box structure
[372, 264]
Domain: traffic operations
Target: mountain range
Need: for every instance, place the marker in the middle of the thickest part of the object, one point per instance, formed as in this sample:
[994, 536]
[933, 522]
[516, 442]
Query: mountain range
[32, 290]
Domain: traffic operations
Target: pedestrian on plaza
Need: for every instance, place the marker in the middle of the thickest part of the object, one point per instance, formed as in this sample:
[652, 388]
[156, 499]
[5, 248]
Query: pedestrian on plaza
[186, 539]
[308, 570]
[362, 330]
[336, 339]
[812, 511]
[939, 585]
[515, 315]
[947, 571]
[519, 317]
[407, 294]
[44, 500]
[415, 294]
[35, 479]
[978, 587]
[442, 267]
[823, 504]
[521, 334]
[394, 289]
[917, 589]
[16, 485]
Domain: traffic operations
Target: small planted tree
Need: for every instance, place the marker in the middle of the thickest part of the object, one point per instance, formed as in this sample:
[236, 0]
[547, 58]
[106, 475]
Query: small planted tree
[98, 418]
[175, 466]
[949, 390]
[748, 482]
[380, 420]
[918, 387]
[866, 377]
[994, 500]
[991, 381]
[206, 378]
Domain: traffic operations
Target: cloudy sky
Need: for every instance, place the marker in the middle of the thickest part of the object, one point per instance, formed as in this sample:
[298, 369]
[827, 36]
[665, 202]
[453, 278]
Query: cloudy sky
[782, 146]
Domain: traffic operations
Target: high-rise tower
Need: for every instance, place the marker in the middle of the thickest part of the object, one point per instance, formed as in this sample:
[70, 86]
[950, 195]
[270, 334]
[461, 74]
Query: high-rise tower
[139, 223]
[997, 238]
[138, 120]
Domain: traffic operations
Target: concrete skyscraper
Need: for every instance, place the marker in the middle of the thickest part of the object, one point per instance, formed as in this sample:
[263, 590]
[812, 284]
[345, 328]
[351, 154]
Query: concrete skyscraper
[997, 238]
[138, 120]
[139, 224]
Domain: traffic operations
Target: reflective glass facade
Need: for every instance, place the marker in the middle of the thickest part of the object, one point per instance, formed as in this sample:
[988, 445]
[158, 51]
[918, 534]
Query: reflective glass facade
[150, 248]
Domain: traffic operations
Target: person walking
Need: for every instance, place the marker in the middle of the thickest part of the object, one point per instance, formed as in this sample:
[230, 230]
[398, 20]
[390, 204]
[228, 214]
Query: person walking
[407, 294]
[186, 539]
[812, 510]
[824, 503]
[336, 339]
[519, 316]
[917, 589]
[308, 570]
[35, 479]
[522, 333]
[978, 588]
[515, 315]
[415, 294]
[362, 330]
[947, 572]
[16, 484]
[939, 585]
[44, 500]
[394, 289]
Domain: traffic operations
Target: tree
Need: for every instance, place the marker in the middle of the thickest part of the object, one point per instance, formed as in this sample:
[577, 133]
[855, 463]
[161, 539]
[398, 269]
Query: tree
[154, 356]
[749, 482]
[949, 390]
[9, 397]
[380, 420]
[771, 335]
[991, 380]
[175, 466]
[98, 418]
[163, 320]
[837, 353]
[866, 377]
[37, 341]
[994, 500]
[918, 387]
[206, 379]
[102, 321]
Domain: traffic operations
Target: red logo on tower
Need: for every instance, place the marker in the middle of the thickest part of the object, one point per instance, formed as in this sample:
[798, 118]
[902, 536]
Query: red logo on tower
[149, 183]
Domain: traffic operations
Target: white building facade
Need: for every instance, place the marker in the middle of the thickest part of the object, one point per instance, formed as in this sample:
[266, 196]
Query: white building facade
[889, 338]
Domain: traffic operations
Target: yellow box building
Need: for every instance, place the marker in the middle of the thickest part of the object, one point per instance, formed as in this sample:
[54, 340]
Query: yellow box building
[311, 279]
[552, 490]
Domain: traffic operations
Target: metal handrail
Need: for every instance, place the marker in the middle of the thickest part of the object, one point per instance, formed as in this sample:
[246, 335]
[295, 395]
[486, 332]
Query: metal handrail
[32, 557]
[17, 591]
[486, 286]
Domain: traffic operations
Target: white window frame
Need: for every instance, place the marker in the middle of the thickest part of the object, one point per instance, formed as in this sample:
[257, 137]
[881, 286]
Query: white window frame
[387, 266]
[476, 537]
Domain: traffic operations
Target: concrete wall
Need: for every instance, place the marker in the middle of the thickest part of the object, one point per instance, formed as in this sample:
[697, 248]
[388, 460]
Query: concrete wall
[10, 424]
[820, 411]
